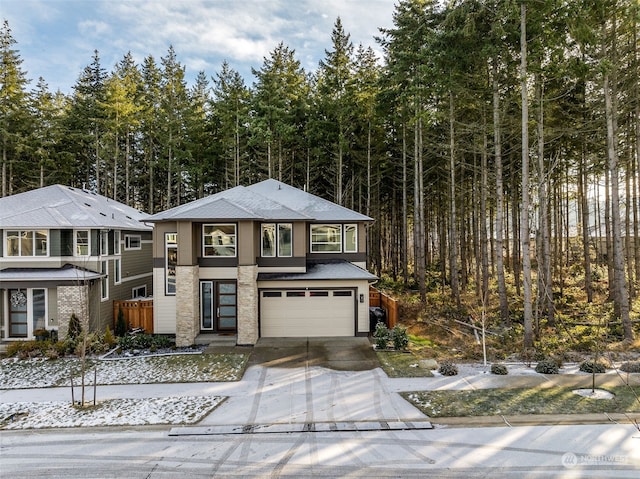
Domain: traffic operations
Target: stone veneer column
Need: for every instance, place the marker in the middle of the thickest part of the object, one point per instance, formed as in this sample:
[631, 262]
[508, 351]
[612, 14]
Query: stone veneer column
[187, 315]
[247, 305]
[72, 299]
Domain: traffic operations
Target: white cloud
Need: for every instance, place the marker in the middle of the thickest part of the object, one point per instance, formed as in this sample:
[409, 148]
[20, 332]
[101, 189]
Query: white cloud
[202, 32]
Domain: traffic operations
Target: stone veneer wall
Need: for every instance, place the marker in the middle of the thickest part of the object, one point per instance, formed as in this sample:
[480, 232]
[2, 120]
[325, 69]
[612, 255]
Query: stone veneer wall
[187, 305]
[72, 299]
[247, 305]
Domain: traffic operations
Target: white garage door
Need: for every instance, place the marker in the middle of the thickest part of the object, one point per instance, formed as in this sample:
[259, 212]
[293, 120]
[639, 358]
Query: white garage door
[300, 313]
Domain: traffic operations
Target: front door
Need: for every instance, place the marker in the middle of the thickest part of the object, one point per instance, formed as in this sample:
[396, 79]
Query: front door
[218, 306]
[27, 311]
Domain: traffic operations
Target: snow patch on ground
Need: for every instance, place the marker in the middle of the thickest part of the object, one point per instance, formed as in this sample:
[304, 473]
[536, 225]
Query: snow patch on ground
[43, 373]
[113, 412]
[594, 393]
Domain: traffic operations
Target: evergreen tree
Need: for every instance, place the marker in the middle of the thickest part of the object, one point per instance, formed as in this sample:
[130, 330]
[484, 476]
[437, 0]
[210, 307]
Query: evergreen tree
[14, 120]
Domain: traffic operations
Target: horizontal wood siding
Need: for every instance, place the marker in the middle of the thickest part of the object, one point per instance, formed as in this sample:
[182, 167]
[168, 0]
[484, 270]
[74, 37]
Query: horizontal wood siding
[164, 310]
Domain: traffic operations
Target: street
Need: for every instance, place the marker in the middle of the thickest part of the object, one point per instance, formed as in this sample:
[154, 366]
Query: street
[496, 452]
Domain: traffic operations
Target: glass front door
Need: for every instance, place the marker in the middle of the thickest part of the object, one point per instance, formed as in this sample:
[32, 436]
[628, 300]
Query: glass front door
[218, 306]
[27, 311]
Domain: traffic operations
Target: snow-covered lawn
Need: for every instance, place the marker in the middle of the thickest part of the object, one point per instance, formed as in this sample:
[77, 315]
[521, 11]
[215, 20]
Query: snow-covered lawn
[114, 412]
[179, 368]
[43, 373]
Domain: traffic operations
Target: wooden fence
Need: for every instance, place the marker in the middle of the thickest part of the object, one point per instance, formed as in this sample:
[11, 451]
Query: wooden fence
[390, 305]
[138, 313]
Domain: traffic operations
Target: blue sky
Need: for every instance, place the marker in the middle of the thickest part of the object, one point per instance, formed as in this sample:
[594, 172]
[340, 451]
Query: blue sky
[56, 38]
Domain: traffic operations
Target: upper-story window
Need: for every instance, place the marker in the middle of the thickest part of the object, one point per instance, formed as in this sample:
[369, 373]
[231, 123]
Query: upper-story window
[116, 242]
[219, 240]
[104, 243]
[334, 238]
[276, 239]
[171, 262]
[82, 243]
[132, 242]
[27, 243]
[326, 238]
[351, 238]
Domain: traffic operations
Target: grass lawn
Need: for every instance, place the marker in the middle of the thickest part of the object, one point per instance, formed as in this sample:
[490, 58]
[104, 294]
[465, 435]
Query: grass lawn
[179, 368]
[491, 402]
[401, 365]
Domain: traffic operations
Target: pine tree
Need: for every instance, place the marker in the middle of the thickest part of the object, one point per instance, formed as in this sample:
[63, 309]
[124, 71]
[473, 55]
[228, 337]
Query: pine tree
[13, 109]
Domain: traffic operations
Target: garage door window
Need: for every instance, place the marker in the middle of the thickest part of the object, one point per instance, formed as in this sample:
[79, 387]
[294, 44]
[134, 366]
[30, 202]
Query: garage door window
[295, 294]
[342, 293]
[319, 294]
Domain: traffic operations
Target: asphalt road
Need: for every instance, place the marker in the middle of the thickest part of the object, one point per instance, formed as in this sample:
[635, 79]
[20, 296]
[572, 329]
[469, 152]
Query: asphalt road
[596, 451]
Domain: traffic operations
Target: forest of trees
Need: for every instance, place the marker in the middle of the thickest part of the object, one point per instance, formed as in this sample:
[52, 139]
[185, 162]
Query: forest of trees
[495, 138]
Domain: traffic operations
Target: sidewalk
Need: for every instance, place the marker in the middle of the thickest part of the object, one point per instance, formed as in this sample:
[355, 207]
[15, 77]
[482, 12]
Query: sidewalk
[272, 395]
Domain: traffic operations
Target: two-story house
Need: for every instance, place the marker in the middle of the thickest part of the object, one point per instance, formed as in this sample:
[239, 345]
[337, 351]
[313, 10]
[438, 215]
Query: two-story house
[67, 250]
[266, 260]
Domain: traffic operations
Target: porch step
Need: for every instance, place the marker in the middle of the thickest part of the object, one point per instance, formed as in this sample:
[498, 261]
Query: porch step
[216, 339]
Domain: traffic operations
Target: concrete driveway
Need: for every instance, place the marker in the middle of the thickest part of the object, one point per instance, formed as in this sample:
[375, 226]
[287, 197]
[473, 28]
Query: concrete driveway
[341, 354]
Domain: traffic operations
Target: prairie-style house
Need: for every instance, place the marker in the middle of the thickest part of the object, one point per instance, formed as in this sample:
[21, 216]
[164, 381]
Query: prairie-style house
[266, 260]
[67, 250]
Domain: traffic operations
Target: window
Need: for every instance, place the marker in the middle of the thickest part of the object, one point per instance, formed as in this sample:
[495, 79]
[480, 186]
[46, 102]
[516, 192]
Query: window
[171, 261]
[104, 290]
[132, 242]
[276, 240]
[296, 294]
[318, 294]
[326, 238]
[139, 292]
[116, 242]
[342, 293]
[82, 243]
[268, 240]
[104, 243]
[117, 271]
[350, 238]
[272, 294]
[26, 243]
[219, 240]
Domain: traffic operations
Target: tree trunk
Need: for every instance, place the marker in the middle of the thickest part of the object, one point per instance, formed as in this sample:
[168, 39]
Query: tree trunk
[418, 199]
[621, 293]
[453, 235]
[499, 228]
[524, 206]
[405, 208]
[543, 249]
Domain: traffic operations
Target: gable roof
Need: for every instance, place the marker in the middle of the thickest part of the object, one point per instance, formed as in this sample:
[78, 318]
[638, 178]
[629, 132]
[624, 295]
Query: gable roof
[264, 201]
[59, 206]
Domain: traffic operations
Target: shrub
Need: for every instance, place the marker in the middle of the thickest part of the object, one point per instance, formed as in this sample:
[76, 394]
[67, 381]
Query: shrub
[399, 337]
[547, 366]
[75, 328]
[590, 366]
[121, 324]
[65, 347]
[499, 369]
[52, 353]
[382, 335]
[447, 368]
[109, 339]
[630, 367]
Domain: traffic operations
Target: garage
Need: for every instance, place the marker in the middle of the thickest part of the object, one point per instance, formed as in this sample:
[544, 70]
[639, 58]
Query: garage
[301, 313]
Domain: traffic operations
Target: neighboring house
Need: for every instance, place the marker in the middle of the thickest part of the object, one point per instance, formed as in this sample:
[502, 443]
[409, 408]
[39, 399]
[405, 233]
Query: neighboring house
[267, 260]
[67, 250]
